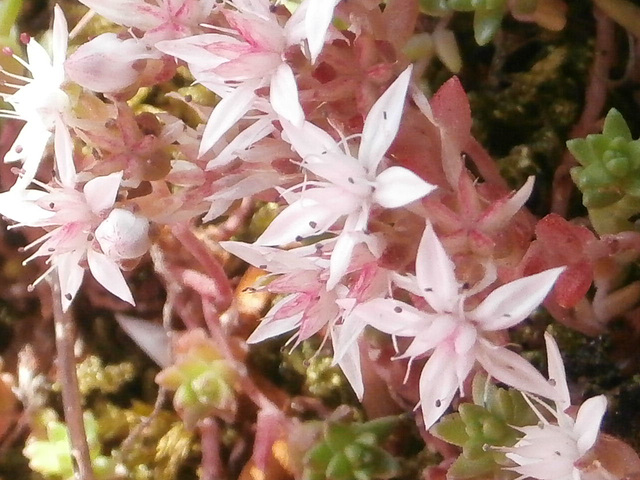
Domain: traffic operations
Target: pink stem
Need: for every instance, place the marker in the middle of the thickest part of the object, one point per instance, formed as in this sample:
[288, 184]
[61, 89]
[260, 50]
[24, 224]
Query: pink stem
[595, 98]
[71, 401]
[210, 264]
[212, 467]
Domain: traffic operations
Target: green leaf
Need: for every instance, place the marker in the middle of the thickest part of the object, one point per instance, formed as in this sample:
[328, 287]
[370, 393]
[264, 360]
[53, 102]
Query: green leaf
[616, 126]
[451, 429]
[486, 23]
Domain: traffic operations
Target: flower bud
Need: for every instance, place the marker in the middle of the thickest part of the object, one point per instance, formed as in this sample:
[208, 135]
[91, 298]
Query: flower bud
[123, 235]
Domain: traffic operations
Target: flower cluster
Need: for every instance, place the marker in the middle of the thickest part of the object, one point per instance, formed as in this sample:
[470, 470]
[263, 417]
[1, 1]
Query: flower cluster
[392, 220]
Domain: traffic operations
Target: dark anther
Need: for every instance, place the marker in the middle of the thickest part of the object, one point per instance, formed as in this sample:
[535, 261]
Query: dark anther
[397, 309]
[313, 224]
[68, 296]
[438, 403]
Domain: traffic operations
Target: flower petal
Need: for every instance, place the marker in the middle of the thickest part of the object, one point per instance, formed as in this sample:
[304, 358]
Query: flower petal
[511, 369]
[317, 20]
[513, 302]
[63, 147]
[150, 337]
[101, 192]
[284, 95]
[435, 273]
[557, 375]
[588, 421]
[349, 363]
[398, 186]
[226, 113]
[438, 385]
[270, 328]
[382, 122]
[70, 275]
[108, 274]
[392, 316]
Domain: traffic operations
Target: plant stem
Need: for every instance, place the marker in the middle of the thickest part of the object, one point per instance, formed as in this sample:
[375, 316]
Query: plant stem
[71, 401]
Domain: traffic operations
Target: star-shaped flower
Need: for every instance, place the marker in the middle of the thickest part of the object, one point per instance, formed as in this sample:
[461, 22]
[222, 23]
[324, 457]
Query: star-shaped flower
[40, 101]
[454, 337]
[74, 219]
[350, 186]
[550, 450]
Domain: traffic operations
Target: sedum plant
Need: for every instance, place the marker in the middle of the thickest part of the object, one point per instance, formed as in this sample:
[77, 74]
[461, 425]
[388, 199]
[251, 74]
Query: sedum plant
[609, 174]
[479, 427]
[352, 452]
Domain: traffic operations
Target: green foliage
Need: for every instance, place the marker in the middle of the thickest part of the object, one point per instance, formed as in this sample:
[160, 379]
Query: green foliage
[49, 451]
[487, 17]
[482, 425]
[352, 452]
[609, 175]
[203, 381]
[93, 375]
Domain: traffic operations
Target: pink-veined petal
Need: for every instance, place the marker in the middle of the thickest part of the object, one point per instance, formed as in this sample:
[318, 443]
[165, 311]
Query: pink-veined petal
[70, 275]
[438, 385]
[242, 141]
[284, 95]
[513, 370]
[108, 274]
[557, 375]
[226, 113]
[435, 273]
[588, 421]
[398, 186]
[107, 63]
[130, 13]
[513, 302]
[500, 212]
[193, 49]
[382, 122]
[270, 328]
[101, 192]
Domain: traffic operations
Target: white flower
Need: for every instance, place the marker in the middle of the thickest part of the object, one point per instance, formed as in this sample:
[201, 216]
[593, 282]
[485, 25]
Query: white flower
[40, 102]
[350, 186]
[71, 217]
[549, 451]
[457, 338]
[123, 235]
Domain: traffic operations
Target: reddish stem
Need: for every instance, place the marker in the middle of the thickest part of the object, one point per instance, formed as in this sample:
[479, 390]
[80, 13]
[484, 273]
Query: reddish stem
[595, 99]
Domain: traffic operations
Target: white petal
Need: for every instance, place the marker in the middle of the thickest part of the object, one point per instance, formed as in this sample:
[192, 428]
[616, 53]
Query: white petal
[101, 192]
[398, 186]
[60, 37]
[349, 363]
[435, 273]
[557, 375]
[432, 333]
[21, 206]
[588, 421]
[438, 385]
[70, 275]
[63, 147]
[345, 336]
[270, 328]
[511, 369]
[150, 337]
[382, 122]
[317, 20]
[108, 274]
[313, 214]
[273, 260]
[130, 13]
[32, 139]
[511, 303]
[242, 141]
[341, 257]
[392, 317]
[284, 95]
[226, 113]
[309, 139]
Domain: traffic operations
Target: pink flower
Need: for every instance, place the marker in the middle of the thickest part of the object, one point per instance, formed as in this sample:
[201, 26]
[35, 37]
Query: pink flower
[454, 337]
[244, 58]
[161, 19]
[349, 187]
[551, 449]
[71, 218]
[40, 101]
[107, 64]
